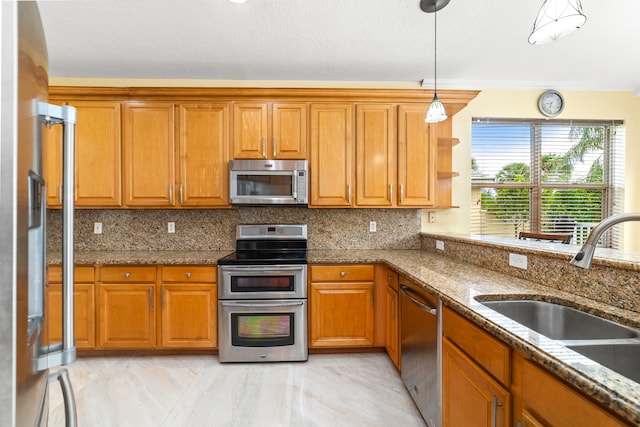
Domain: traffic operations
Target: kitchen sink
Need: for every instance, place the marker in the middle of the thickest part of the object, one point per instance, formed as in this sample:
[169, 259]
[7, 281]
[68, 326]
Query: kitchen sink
[621, 358]
[559, 322]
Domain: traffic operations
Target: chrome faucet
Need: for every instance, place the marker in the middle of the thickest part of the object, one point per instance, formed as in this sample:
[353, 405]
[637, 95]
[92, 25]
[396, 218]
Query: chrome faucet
[584, 256]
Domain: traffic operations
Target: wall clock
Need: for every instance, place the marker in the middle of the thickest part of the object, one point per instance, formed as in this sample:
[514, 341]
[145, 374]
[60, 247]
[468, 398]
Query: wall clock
[551, 103]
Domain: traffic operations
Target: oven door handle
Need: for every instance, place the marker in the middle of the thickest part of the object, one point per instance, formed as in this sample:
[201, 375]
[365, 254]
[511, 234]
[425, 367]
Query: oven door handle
[262, 269]
[261, 304]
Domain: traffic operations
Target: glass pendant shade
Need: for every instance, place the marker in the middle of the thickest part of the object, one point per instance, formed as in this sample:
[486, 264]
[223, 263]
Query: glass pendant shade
[556, 19]
[436, 112]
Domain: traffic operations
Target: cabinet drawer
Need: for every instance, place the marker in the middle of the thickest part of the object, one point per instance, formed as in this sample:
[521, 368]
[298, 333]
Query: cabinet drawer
[81, 274]
[127, 274]
[189, 274]
[338, 273]
[493, 355]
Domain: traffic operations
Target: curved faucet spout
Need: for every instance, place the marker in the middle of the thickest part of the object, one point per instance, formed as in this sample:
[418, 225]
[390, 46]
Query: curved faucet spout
[585, 255]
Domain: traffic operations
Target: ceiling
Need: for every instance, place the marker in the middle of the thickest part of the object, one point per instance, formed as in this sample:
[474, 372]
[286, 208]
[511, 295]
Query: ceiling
[481, 44]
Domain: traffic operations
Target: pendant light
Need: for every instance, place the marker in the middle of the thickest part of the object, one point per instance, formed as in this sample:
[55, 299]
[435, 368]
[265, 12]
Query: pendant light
[556, 19]
[436, 112]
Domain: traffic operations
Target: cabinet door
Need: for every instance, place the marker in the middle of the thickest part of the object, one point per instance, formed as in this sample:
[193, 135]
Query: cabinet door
[189, 315]
[416, 157]
[126, 317]
[250, 130]
[83, 314]
[341, 314]
[393, 343]
[470, 397]
[331, 156]
[375, 155]
[97, 154]
[52, 164]
[203, 155]
[149, 158]
[289, 131]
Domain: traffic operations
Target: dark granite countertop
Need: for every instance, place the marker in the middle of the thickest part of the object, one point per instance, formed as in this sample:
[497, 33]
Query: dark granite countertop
[457, 284]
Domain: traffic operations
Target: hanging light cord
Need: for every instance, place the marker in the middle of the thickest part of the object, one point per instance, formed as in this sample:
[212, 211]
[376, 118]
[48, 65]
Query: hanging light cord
[435, 49]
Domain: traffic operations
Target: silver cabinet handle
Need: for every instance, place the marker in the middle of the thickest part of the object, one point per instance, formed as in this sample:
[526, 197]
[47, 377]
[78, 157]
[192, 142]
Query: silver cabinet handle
[401, 194]
[391, 193]
[171, 194]
[188, 275]
[181, 199]
[150, 299]
[349, 193]
[343, 273]
[70, 413]
[60, 193]
[494, 410]
[274, 147]
[431, 310]
[264, 147]
[127, 275]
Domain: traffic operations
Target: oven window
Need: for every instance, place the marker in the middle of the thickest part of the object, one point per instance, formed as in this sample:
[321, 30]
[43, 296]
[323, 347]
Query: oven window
[265, 185]
[261, 329]
[262, 283]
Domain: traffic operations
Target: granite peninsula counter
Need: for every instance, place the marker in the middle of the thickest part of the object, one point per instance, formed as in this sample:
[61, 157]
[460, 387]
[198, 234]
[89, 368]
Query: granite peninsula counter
[457, 284]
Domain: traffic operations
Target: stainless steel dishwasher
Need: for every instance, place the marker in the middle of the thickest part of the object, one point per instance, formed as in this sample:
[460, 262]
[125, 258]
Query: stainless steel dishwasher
[421, 349]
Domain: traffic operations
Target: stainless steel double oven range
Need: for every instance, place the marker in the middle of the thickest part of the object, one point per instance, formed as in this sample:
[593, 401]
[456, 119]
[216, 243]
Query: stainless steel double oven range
[262, 295]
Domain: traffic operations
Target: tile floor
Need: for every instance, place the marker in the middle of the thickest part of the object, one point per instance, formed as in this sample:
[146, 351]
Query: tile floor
[327, 390]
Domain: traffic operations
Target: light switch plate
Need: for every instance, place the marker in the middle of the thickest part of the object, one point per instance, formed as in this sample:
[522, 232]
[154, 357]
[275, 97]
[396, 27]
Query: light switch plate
[97, 228]
[440, 245]
[373, 227]
[171, 227]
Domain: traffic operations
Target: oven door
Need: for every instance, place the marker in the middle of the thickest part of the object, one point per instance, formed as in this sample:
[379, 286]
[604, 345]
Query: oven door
[262, 331]
[262, 281]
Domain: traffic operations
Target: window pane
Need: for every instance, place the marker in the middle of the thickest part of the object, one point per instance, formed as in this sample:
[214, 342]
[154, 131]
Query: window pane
[501, 153]
[572, 154]
[502, 212]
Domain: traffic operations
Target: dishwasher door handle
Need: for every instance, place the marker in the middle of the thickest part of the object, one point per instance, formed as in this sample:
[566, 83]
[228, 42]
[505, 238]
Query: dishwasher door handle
[405, 291]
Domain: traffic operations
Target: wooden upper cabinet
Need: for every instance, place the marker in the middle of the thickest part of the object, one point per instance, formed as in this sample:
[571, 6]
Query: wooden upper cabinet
[203, 160]
[265, 130]
[149, 154]
[416, 157]
[331, 155]
[97, 156]
[375, 155]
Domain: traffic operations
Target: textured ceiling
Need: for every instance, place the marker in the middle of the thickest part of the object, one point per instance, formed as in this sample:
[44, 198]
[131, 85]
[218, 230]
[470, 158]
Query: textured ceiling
[481, 44]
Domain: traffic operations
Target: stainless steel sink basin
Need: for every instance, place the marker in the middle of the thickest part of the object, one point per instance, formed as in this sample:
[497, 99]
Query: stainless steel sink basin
[562, 323]
[621, 358]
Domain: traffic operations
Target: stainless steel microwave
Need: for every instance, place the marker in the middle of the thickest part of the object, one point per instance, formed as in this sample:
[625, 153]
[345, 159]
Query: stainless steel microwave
[268, 182]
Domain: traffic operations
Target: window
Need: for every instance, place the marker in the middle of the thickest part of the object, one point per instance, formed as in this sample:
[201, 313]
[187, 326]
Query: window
[546, 176]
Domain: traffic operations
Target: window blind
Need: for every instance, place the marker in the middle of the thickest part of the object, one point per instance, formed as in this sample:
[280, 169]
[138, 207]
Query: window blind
[546, 176]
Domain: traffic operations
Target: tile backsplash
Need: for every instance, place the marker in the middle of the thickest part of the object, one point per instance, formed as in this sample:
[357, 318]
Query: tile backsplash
[214, 229]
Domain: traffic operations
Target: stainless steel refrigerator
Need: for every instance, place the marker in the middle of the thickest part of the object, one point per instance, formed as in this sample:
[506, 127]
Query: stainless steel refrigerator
[25, 361]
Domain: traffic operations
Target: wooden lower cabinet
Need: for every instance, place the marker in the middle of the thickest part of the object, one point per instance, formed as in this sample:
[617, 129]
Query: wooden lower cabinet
[471, 397]
[83, 307]
[392, 318]
[540, 399]
[126, 316]
[188, 303]
[341, 306]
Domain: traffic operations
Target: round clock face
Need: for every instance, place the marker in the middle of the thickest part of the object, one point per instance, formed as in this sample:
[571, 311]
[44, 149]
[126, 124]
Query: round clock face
[551, 103]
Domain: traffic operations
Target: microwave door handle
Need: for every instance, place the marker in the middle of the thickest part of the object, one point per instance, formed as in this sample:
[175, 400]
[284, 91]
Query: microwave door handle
[294, 178]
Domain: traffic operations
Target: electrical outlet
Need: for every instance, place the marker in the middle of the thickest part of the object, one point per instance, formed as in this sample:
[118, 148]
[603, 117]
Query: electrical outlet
[518, 261]
[171, 227]
[373, 227]
[97, 228]
[440, 245]
[432, 217]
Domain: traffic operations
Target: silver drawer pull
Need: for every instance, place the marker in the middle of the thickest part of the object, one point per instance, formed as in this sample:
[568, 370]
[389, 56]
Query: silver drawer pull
[343, 273]
[127, 275]
[188, 275]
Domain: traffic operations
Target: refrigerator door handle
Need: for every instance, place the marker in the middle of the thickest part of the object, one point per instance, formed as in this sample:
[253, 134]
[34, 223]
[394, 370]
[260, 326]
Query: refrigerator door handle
[66, 116]
[70, 412]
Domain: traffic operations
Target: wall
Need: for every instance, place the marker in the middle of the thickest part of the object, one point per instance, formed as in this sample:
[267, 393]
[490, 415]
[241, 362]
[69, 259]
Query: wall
[524, 104]
[214, 229]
